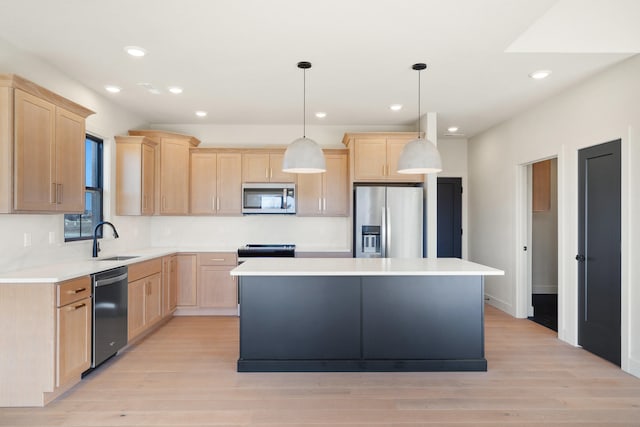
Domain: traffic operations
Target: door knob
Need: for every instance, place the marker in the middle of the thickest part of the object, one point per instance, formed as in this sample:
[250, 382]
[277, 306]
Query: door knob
[580, 258]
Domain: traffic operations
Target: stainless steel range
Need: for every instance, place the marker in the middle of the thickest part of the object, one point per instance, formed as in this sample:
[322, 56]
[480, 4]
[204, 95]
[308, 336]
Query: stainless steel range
[266, 250]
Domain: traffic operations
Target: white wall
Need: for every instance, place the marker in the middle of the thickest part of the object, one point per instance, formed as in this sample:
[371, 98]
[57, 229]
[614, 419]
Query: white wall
[108, 121]
[603, 108]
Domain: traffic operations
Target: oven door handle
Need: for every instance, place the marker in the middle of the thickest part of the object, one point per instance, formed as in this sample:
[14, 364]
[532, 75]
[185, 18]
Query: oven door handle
[111, 280]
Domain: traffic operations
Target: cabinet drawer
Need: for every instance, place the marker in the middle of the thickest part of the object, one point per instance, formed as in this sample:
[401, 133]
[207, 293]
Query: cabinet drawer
[73, 290]
[217, 258]
[144, 269]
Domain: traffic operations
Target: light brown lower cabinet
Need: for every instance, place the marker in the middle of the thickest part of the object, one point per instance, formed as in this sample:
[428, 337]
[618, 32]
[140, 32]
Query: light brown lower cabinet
[73, 352]
[169, 284]
[186, 265]
[145, 296]
[45, 339]
[216, 287]
[205, 285]
[145, 304]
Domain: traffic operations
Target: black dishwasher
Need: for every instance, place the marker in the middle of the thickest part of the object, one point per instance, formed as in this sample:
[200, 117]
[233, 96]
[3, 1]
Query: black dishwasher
[110, 290]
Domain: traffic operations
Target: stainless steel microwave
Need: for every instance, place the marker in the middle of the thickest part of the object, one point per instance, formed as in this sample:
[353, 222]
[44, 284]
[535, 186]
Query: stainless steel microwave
[268, 198]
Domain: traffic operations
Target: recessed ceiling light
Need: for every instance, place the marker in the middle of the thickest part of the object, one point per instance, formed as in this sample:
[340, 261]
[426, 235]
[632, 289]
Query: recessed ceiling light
[175, 89]
[395, 107]
[112, 89]
[540, 74]
[453, 129]
[201, 113]
[135, 51]
[321, 114]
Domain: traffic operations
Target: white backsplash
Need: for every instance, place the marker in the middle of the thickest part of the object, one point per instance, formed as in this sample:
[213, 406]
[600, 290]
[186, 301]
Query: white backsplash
[47, 246]
[228, 233]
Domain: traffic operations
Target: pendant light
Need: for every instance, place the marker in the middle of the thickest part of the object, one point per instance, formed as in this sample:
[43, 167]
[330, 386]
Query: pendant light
[419, 155]
[304, 155]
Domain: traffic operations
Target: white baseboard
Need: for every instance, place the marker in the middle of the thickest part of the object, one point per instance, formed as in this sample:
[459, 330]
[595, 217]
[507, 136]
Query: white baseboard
[499, 304]
[198, 311]
[634, 367]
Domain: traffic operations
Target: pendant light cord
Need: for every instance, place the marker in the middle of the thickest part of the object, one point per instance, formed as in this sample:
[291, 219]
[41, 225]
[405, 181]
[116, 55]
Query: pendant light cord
[419, 72]
[304, 103]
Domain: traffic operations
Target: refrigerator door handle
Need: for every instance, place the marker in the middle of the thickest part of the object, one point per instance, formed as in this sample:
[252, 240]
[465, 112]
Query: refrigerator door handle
[387, 228]
[383, 233]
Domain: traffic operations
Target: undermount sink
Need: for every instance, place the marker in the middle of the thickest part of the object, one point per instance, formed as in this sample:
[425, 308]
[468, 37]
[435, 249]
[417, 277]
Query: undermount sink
[119, 258]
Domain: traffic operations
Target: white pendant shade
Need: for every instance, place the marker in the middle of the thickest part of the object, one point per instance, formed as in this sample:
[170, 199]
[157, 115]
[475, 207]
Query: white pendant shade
[304, 155]
[419, 156]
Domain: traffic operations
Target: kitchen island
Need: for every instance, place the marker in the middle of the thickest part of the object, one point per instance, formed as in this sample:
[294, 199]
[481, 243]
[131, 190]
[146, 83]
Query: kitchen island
[361, 314]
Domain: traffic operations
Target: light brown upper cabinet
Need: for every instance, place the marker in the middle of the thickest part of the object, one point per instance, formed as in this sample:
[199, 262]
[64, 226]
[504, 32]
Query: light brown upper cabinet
[264, 166]
[541, 186]
[375, 156]
[41, 149]
[326, 194]
[135, 175]
[216, 182]
[172, 175]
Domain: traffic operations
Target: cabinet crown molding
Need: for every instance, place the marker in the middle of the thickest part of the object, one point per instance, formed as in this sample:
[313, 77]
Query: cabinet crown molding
[17, 82]
[157, 135]
[136, 140]
[350, 136]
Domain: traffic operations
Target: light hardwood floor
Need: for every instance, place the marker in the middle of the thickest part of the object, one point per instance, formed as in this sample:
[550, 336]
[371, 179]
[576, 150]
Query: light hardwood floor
[184, 375]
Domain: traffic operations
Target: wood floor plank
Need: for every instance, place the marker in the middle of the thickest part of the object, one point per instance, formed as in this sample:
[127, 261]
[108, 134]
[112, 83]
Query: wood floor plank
[184, 375]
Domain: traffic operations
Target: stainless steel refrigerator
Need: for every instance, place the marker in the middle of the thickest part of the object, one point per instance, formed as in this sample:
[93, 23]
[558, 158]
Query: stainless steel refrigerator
[388, 222]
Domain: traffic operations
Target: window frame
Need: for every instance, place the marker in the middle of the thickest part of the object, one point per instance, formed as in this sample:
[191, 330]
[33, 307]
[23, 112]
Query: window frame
[98, 158]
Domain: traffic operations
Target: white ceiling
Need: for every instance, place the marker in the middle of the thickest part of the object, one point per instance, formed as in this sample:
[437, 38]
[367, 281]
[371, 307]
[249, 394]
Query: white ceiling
[237, 59]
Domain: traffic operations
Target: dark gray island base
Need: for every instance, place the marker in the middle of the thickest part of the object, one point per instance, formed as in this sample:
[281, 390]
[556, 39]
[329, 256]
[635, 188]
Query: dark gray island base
[361, 323]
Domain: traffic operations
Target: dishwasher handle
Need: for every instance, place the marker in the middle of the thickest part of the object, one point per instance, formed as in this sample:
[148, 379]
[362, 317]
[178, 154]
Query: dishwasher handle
[111, 280]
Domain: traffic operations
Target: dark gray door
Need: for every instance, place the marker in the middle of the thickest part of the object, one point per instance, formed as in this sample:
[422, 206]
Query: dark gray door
[599, 250]
[450, 217]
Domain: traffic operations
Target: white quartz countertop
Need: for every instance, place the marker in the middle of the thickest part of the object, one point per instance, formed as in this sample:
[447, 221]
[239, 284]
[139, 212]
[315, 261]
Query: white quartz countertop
[363, 267]
[59, 272]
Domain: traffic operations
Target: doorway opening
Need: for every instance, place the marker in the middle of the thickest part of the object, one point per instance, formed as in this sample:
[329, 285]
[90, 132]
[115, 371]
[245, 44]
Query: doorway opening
[543, 223]
[449, 217]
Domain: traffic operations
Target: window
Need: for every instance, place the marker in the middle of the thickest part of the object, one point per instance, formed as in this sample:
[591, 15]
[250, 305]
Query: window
[80, 226]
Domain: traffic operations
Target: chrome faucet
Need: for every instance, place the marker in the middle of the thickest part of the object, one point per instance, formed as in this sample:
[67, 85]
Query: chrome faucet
[96, 245]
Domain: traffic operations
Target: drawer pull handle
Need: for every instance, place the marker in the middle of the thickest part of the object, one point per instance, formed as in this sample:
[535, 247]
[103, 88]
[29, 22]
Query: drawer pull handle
[217, 259]
[77, 291]
[78, 306]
